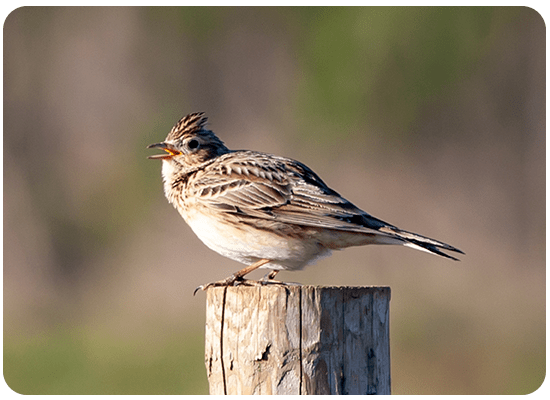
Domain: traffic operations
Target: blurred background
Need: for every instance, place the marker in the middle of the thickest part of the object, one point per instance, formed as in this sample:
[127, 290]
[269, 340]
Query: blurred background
[432, 119]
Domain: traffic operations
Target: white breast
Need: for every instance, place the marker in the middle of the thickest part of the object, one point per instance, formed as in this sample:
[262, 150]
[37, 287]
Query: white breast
[237, 240]
[241, 243]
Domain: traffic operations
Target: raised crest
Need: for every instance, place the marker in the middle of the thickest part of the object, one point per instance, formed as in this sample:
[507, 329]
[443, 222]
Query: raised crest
[189, 124]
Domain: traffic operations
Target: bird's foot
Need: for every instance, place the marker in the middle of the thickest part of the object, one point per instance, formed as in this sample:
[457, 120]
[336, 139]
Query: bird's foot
[240, 281]
[238, 277]
[268, 279]
[232, 280]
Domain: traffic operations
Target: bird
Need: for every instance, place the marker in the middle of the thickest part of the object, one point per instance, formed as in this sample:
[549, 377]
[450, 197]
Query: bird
[264, 210]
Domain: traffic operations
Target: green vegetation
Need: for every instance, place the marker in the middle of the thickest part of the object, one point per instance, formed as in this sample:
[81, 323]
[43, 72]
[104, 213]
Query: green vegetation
[74, 362]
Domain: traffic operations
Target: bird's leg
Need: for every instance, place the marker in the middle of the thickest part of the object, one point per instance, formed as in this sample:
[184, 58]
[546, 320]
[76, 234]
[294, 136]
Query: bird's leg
[272, 274]
[269, 276]
[237, 276]
[268, 279]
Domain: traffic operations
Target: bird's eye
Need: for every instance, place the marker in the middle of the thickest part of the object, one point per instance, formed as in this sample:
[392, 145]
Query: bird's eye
[193, 144]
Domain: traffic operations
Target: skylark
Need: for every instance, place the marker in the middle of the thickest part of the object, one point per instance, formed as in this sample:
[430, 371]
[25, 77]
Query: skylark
[263, 210]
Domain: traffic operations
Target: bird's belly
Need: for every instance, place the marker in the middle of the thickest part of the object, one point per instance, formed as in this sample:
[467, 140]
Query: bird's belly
[239, 241]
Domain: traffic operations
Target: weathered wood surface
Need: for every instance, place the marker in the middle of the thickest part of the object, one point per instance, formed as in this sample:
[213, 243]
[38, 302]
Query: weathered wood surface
[298, 340]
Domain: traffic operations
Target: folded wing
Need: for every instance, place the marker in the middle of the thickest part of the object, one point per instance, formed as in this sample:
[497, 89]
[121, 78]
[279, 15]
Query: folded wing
[287, 191]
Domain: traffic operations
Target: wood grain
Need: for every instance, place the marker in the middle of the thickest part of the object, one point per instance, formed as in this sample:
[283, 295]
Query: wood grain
[298, 340]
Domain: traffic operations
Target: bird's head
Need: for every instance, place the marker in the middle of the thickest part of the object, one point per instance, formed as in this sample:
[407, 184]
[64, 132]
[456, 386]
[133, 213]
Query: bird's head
[189, 144]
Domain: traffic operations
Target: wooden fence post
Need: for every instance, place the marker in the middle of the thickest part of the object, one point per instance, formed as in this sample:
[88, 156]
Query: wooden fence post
[277, 339]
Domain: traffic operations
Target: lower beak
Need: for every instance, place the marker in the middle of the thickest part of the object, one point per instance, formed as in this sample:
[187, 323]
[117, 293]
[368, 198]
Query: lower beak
[168, 148]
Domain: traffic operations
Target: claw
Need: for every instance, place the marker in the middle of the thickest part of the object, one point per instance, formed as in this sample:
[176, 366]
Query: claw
[244, 282]
[201, 287]
[229, 281]
[238, 277]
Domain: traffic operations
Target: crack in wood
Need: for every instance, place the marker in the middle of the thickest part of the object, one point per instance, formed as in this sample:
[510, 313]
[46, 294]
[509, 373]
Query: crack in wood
[342, 383]
[301, 338]
[221, 340]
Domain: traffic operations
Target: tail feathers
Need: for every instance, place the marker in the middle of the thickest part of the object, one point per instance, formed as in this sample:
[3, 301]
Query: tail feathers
[423, 243]
[430, 248]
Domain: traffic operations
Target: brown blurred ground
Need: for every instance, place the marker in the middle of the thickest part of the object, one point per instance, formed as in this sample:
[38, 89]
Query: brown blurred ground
[432, 119]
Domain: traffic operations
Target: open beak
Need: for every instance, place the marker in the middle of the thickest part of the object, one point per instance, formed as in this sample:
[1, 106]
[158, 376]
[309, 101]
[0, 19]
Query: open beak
[168, 148]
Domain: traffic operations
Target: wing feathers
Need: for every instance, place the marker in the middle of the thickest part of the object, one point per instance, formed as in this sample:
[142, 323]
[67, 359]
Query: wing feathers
[287, 191]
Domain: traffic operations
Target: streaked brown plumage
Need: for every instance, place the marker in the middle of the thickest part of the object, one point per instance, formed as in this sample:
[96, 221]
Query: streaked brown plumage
[264, 210]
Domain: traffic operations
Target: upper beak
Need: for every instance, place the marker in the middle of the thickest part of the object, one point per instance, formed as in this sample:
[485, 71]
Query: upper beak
[167, 147]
